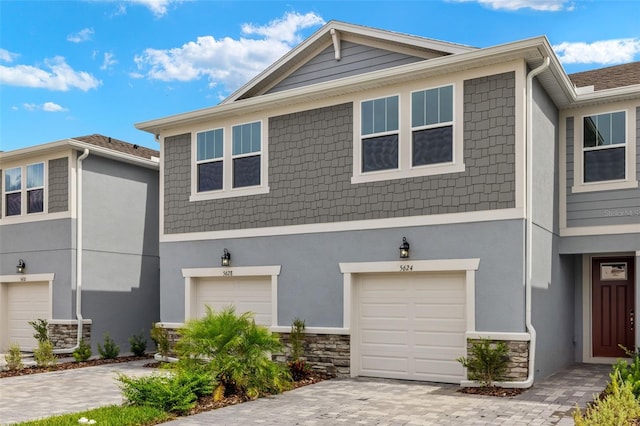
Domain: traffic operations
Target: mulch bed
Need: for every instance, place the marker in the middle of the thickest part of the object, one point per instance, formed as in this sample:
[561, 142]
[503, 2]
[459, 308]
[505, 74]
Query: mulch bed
[492, 391]
[69, 366]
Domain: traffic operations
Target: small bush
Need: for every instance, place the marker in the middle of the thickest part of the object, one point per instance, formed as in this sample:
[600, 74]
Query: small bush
[629, 372]
[138, 344]
[618, 407]
[14, 358]
[160, 336]
[110, 350]
[43, 354]
[41, 328]
[298, 368]
[173, 393]
[487, 362]
[82, 352]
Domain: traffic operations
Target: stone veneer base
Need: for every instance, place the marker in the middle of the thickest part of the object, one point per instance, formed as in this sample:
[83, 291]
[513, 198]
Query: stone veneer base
[64, 333]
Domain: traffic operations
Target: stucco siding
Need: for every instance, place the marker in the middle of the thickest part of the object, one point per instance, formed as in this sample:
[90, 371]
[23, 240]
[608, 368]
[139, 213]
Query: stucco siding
[355, 59]
[58, 198]
[311, 165]
[599, 208]
[310, 285]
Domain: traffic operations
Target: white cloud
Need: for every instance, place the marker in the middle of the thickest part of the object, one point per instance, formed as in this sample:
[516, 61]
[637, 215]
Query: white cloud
[541, 5]
[47, 106]
[227, 61]
[158, 7]
[606, 52]
[82, 35]
[59, 76]
[108, 61]
[6, 56]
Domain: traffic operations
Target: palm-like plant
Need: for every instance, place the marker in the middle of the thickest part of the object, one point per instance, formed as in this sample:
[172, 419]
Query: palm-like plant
[236, 351]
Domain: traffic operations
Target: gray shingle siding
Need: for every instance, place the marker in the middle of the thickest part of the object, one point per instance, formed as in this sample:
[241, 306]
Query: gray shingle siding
[311, 165]
[58, 199]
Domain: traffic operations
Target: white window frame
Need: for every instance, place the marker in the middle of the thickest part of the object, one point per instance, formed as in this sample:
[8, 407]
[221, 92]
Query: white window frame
[227, 190]
[630, 180]
[373, 135]
[209, 160]
[405, 136]
[24, 190]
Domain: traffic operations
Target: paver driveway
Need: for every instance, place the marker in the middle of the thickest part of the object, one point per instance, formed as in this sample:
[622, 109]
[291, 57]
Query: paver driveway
[334, 402]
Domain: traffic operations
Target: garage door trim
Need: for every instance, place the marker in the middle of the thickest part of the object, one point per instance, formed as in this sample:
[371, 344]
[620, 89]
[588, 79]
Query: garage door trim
[192, 275]
[351, 272]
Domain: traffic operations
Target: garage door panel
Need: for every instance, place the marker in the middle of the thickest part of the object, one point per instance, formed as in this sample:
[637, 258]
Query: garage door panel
[26, 302]
[246, 294]
[412, 326]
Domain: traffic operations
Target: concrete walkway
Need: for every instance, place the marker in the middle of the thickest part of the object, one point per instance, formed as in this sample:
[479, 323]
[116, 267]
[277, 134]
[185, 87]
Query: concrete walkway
[351, 401]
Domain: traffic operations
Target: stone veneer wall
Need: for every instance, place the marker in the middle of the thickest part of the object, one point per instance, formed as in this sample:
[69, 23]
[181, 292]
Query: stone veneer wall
[518, 368]
[64, 336]
[327, 353]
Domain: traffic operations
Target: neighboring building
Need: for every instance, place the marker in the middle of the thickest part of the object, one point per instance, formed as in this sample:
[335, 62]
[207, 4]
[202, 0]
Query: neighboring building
[59, 206]
[517, 192]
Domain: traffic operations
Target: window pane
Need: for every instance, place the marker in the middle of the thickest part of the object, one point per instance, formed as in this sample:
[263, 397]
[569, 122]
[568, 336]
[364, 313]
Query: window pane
[210, 176]
[13, 204]
[35, 175]
[618, 128]
[446, 104]
[417, 109]
[367, 117]
[604, 164]
[255, 137]
[210, 144]
[13, 179]
[237, 140]
[379, 115]
[380, 153]
[246, 171]
[589, 132]
[34, 201]
[392, 114]
[433, 106]
[246, 138]
[432, 146]
[603, 123]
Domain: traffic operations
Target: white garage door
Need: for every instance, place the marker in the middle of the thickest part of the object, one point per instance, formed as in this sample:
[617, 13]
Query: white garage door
[411, 326]
[26, 302]
[247, 294]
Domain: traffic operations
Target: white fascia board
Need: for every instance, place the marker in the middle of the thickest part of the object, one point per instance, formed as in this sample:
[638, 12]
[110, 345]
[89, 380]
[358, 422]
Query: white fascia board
[608, 95]
[538, 47]
[31, 150]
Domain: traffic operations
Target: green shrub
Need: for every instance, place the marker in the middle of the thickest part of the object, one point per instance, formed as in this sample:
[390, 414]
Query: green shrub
[82, 352]
[175, 392]
[160, 336]
[298, 368]
[629, 372]
[236, 351]
[110, 350]
[138, 344]
[43, 354]
[619, 407]
[14, 358]
[41, 328]
[487, 361]
[109, 415]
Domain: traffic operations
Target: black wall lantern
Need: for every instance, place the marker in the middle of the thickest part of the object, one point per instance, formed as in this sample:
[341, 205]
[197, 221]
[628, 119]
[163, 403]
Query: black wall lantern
[226, 258]
[404, 248]
[21, 266]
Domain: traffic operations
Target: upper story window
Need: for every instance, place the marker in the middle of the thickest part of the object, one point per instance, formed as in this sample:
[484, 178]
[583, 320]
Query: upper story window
[432, 126]
[380, 122]
[409, 134]
[24, 196]
[229, 162]
[604, 147]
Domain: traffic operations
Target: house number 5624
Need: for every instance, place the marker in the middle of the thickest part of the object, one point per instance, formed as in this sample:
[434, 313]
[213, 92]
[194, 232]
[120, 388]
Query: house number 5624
[406, 268]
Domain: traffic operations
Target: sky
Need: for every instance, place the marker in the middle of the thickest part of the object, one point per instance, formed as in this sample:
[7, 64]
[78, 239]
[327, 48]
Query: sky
[79, 67]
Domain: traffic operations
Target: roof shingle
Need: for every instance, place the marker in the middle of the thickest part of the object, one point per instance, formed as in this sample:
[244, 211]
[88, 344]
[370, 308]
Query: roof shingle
[118, 145]
[608, 78]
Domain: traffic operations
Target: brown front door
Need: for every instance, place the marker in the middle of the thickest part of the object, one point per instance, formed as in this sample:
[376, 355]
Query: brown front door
[613, 306]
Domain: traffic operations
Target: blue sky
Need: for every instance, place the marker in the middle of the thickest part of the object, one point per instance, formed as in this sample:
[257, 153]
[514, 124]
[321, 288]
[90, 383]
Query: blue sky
[75, 68]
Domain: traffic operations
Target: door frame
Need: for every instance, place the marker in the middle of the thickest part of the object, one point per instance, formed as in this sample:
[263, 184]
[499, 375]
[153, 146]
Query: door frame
[587, 304]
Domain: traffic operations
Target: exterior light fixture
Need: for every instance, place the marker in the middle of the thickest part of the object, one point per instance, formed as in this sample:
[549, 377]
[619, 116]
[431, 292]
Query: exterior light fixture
[404, 249]
[226, 258]
[21, 266]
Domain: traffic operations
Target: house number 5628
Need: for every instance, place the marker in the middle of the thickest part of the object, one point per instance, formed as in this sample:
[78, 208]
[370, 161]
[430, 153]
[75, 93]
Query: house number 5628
[227, 273]
[406, 268]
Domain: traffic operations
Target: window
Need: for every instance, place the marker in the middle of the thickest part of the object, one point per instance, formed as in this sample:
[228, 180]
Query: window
[210, 147]
[604, 147]
[380, 118]
[432, 126]
[33, 189]
[246, 155]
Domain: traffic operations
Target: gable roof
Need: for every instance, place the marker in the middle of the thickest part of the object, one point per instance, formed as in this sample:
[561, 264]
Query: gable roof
[118, 145]
[331, 34]
[608, 78]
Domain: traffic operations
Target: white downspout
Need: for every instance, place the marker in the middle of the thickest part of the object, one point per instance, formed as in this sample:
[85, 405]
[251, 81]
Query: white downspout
[529, 229]
[84, 155]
